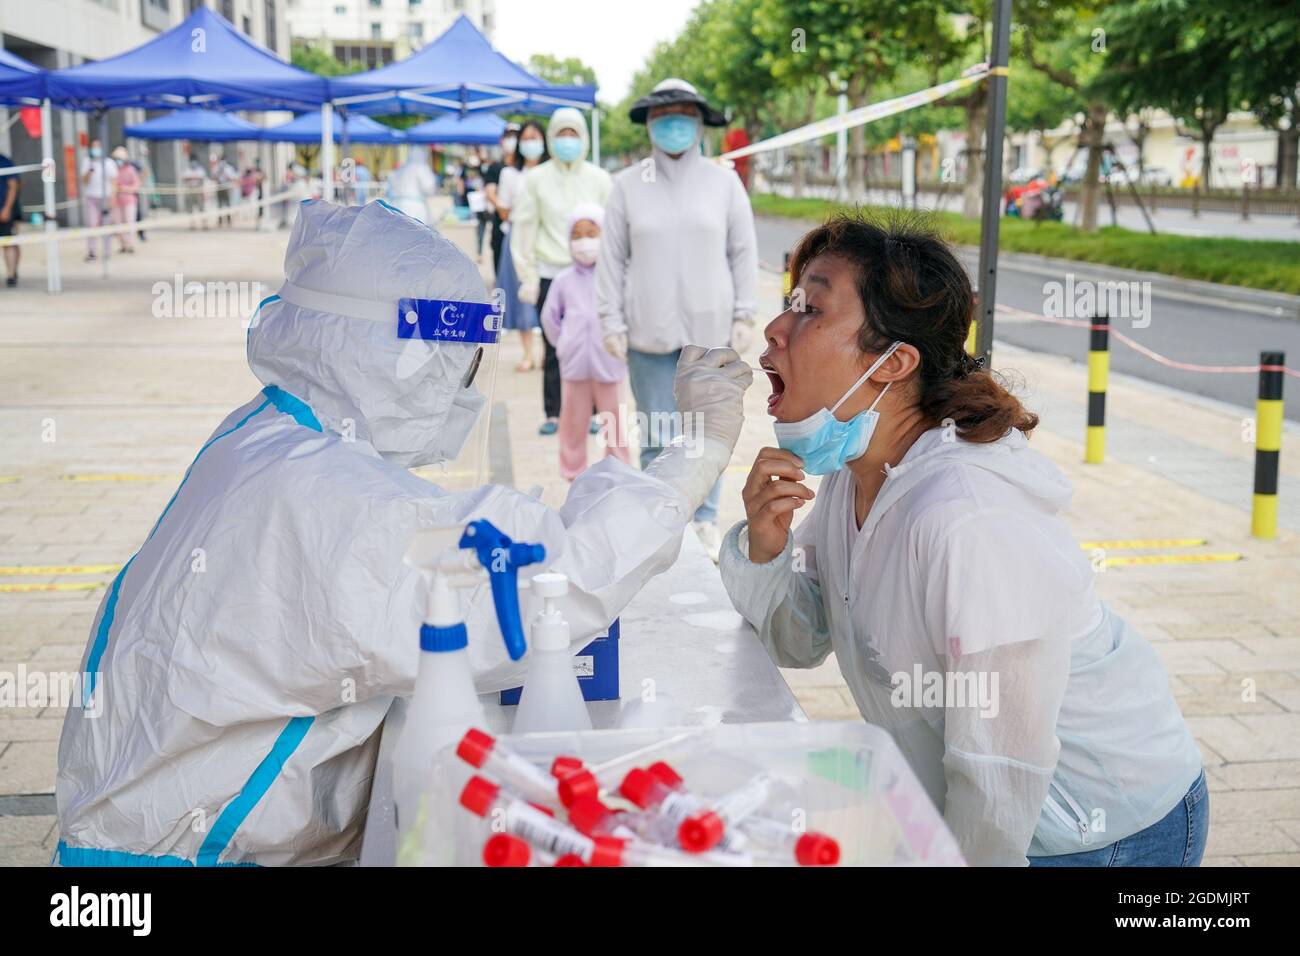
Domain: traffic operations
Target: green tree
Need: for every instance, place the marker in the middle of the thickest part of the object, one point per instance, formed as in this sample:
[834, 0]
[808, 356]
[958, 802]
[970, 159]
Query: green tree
[854, 44]
[569, 71]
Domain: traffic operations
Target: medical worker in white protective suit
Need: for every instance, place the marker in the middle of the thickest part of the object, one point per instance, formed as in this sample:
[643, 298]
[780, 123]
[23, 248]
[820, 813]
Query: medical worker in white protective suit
[936, 566]
[244, 659]
[411, 184]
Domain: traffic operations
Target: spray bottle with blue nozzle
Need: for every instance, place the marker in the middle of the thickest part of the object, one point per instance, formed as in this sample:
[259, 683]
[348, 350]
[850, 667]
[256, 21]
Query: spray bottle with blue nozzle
[445, 705]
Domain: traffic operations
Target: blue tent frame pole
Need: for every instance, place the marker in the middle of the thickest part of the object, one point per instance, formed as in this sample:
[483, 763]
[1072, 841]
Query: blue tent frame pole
[344, 151]
[53, 275]
[327, 152]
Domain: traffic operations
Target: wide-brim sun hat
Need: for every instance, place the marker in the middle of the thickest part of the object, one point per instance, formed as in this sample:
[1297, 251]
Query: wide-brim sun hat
[670, 92]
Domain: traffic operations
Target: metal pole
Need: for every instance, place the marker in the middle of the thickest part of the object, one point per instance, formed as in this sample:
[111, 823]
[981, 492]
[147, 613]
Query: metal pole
[908, 181]
[53, 277]
[327, 152]
[105, 201]
[348, 171]
[595, 134]
[841, 146]
[997, 117]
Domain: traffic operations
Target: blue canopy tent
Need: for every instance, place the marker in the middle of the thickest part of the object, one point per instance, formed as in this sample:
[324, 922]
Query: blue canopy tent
[472, 128]
[202, 61]
[307, 128]
[208, 126]
[21, 83]
[458, 72]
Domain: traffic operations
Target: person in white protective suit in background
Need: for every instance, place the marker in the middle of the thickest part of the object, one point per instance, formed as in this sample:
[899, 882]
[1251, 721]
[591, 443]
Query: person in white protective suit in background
[411, 184]
[244, 659]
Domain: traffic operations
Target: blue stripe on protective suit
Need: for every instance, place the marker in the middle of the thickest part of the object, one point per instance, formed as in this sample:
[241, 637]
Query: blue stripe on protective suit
[110, 609]
[223, 830]
[286, 743]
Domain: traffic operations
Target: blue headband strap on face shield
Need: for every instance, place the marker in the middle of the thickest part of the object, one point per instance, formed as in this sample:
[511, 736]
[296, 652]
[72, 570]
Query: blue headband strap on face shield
[433, 320]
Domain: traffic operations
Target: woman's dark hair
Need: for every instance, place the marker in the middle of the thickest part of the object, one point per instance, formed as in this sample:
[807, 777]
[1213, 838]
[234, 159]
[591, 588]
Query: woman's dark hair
[546, 153]
[915, 290]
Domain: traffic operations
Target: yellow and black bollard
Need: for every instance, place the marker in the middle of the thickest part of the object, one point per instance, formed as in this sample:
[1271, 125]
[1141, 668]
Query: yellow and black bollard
[1268, 445]
[785, 284]
[1098, 376]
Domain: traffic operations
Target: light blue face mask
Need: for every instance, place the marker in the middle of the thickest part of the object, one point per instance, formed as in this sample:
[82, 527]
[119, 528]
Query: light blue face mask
[675, 132]
[567, 149]
[824, 442]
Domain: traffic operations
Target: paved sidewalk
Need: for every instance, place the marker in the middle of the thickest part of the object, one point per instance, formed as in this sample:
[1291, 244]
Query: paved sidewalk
[100, 389]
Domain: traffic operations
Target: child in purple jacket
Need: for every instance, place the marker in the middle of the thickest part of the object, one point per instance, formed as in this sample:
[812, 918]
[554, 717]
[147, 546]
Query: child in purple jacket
[589, 375]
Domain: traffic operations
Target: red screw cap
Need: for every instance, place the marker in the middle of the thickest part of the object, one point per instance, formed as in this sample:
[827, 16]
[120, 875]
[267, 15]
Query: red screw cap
[478, 796]
[701, 832]
[816, 849]
[506, 850]
[474, 747]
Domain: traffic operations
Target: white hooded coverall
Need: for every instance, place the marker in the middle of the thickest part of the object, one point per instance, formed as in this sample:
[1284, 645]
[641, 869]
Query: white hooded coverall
[245, 657]
[963, 575]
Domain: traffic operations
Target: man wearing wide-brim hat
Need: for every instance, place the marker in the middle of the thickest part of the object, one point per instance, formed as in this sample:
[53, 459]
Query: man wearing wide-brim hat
[678, 263]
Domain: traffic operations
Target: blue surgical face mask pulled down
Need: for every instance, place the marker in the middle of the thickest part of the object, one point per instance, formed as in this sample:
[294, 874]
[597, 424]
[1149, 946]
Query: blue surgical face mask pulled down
[675, 132]
[827, 444]
[568, 148]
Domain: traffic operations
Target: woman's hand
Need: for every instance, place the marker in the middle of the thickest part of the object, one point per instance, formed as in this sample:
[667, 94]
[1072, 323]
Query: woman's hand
[772, 494]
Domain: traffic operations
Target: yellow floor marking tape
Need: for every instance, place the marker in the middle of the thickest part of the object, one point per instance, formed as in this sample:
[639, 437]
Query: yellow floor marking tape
[1170, 559]
[9, 479]
[83, 586]
[60, 569]
[1128, 543]
[119, 477]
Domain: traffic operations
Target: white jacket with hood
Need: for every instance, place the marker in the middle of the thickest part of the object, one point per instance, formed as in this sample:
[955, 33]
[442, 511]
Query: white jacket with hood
[246, 656]
[539, 219]
[963, 617]
[678, 254]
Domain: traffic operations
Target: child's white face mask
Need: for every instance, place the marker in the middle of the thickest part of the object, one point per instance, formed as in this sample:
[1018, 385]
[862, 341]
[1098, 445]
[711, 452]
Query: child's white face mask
[584, 250]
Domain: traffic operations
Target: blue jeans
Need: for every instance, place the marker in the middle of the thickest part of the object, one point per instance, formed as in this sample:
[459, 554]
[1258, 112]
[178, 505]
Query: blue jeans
[652, 376]
[1176, 840]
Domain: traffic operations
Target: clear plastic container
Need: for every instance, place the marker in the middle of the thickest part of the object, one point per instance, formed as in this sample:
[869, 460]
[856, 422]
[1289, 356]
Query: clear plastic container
[857, 786]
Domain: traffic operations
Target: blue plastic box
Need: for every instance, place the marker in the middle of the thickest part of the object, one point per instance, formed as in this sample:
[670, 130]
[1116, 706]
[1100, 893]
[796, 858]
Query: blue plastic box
[597, 668]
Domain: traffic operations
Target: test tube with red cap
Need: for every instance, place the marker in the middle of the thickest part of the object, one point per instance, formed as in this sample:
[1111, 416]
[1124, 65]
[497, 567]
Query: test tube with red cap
[578, 781]
[660, 789]
[704, 829]
[484, 752]
[484, 798]
[806, 849]
[644, 829]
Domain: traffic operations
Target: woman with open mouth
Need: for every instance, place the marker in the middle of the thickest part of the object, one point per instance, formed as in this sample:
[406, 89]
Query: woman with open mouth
[936, 565]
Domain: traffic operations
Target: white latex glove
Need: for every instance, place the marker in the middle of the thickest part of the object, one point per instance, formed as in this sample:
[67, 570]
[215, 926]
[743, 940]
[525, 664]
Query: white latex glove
[710, 391]
[742, 335]
[529, 292]
[616, 345]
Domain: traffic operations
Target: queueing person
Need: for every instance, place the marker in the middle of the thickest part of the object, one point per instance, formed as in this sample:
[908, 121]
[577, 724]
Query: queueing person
[491, 182]
[519, 316]
[97, 174]
[231, 716]
[540, 221]
[126, 197]
[11, 214]
[679, 265]
[588, 374]
[935, 563]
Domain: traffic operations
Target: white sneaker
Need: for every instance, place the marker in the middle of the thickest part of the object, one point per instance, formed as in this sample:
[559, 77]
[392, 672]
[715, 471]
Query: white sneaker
[710, 537]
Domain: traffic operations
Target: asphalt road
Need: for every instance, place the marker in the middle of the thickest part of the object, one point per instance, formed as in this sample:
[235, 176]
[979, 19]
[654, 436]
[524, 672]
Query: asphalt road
[1186, 325]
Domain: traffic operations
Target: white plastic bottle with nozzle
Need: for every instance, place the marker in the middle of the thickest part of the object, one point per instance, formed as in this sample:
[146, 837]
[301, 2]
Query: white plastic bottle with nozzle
[444, 705]
[552, 699]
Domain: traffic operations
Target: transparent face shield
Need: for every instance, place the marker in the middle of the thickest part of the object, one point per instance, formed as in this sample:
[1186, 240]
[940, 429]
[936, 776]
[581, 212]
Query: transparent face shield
[460, 343]
[442, 355]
